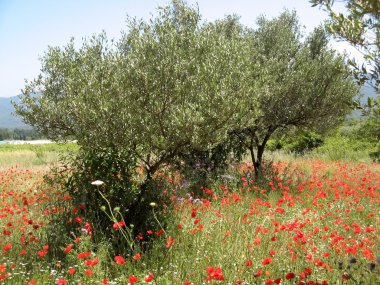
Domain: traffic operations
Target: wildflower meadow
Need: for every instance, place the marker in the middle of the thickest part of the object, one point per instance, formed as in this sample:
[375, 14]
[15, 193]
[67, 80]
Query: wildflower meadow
[314, 222]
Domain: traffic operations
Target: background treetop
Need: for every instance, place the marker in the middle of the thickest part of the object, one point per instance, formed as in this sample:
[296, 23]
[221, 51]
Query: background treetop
[359, 24]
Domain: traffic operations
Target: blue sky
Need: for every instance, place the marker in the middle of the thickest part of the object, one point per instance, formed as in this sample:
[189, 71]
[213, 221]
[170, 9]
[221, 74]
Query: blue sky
[28, 27]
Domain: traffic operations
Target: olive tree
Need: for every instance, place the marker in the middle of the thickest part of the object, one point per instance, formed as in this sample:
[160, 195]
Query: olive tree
[306, 84]
[169, 84]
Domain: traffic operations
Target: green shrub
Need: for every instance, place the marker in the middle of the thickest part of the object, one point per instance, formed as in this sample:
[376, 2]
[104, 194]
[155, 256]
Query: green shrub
[123, 195]
[303, 142]
[375, 154]
[339, 147]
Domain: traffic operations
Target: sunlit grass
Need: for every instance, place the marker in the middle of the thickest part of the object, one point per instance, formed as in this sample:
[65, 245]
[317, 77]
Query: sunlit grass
[37, 156]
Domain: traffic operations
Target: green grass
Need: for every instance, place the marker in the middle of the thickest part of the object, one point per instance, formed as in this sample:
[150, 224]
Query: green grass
[337, 148]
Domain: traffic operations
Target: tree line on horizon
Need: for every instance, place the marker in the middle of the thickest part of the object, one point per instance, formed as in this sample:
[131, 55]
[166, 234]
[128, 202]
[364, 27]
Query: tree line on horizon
[19, 134]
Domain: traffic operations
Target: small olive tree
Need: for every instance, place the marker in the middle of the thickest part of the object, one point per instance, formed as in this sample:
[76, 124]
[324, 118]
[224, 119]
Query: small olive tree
[306, 85]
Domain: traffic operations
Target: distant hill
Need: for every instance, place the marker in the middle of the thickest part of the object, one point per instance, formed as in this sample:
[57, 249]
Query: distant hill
[7, 120]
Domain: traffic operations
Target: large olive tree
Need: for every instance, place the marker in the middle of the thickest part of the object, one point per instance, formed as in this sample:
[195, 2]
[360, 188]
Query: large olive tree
[169, 84]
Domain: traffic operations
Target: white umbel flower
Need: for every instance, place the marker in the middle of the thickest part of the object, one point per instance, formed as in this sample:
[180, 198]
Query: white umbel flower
[97, 183]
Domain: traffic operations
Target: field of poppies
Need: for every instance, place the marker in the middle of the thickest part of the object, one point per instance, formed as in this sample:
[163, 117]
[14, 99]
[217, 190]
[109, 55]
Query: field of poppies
[315, 222]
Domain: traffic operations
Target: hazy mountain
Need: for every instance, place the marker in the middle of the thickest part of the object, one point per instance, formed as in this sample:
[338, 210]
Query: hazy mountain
[7, 120]
[365, 92]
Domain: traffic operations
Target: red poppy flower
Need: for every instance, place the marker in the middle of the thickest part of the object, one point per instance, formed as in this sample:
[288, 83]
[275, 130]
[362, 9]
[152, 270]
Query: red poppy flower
[4, 276]
[258, 273]
[132, 279]
[68, 248]
[149, 278]
[214, 273]
[42, 253]
[71, 271]
[84, 255]
[88, 272]
[118, 225]
[308, 271]
[346, 276]
[169, 242]
[79, 220]
[119, 260]
[290, 275]
[369, 229]
[267, 261]
[92, 262]
[61, 281]
[7, 247]
[137, 256]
